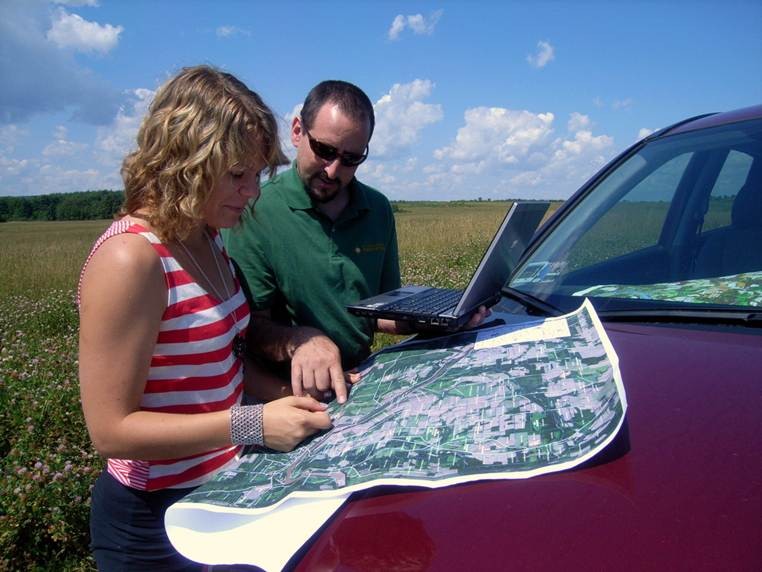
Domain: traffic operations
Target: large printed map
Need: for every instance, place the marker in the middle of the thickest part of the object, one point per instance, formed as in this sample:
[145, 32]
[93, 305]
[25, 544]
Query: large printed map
[507, 402]
[736, 289]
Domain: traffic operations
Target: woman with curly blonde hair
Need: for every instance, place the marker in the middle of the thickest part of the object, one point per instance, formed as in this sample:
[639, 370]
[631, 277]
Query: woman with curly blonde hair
[163, 319]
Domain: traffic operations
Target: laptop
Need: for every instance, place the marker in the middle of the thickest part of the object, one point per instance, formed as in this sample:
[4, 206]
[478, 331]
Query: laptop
[448, 309]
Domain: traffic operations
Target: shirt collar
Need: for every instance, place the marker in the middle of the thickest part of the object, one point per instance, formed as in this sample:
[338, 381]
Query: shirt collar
[297, 198]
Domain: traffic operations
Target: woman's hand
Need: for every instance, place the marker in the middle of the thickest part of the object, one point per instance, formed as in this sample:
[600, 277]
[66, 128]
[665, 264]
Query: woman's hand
[288, 421]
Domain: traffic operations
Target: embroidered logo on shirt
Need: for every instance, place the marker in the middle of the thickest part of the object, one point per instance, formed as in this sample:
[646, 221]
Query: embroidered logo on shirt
[375, 247]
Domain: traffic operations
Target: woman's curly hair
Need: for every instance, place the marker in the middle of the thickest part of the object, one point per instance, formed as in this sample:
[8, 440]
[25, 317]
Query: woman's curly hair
[200, 124]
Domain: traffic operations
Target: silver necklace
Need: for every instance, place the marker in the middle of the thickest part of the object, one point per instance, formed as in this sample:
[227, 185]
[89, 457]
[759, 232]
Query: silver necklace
[239, 344]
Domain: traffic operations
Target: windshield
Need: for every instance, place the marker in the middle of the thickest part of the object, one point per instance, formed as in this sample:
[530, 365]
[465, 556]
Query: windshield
[677, 224]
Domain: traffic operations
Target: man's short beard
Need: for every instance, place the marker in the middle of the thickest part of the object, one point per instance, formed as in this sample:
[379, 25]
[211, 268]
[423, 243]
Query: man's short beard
[323, 199]
[320, 197]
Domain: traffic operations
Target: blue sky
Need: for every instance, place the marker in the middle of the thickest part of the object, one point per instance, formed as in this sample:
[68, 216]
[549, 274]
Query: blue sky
[473, 99]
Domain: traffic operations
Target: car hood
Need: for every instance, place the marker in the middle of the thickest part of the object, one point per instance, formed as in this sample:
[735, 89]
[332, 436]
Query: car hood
[679, 488]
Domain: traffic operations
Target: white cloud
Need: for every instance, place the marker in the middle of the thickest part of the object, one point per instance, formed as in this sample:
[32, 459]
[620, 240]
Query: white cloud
[9, 136]
[284, 131]
[401, 115]
[73, 31]
[569, 163]
[61, 146]
[421, 25]
[54, 178]
[622, 103]
[295, 112]
[494, 145]
[20, 177]
[545, 53]
[583, 142]
[644, 132]
[65, 165]
[526, 179]
[11, 167]
[410, 164]
[577, 121]
[383, 175]
[116, 140]
[616, 104]
[417, 23]
[502, 135]
[42, 78]
[284, 135]
[91, 3]
[231, 32]
[502, 153]
[398, 25]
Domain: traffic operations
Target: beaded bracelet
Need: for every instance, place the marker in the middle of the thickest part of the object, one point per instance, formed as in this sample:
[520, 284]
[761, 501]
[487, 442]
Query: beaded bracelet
[246, 425]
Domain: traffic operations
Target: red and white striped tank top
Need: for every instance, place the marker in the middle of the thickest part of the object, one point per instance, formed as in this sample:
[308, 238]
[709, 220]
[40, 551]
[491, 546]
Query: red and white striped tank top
[193, 368]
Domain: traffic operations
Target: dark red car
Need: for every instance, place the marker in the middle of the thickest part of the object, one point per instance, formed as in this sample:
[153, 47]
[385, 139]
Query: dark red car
[666, 241]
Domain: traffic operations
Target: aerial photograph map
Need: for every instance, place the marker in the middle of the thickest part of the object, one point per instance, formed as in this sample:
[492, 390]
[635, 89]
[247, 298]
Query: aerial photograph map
[498, 403]
[507, 402]
[737, 289]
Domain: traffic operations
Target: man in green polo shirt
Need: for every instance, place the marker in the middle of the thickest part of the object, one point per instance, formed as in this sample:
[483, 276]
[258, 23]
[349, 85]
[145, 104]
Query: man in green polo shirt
[317, 241]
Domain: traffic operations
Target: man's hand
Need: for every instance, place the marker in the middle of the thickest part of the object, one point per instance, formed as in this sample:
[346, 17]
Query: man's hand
[288, 421]
[316, 367]
[481, 314]
[405, 328]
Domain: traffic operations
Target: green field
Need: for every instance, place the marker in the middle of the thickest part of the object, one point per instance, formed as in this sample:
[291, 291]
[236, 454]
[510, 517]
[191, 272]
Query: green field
[439, 244]
[47, 462]
[36, 257]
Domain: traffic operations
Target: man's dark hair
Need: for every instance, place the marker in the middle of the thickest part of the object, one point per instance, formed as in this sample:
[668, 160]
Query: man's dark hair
[351, 100]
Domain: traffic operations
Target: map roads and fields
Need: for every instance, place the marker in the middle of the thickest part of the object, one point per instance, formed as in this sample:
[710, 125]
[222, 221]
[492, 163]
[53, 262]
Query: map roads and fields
[507, 402]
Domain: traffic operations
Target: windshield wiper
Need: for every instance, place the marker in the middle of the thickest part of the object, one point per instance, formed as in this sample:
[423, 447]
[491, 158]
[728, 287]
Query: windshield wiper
[706, 316]
[531, 302]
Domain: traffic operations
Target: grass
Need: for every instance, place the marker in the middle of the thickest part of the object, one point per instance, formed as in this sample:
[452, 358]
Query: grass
[440, 244]
[47, 464]
[37, 257]
[46, 461]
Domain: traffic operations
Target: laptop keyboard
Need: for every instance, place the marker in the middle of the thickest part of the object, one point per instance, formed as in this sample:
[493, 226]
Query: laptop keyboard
[432, 301]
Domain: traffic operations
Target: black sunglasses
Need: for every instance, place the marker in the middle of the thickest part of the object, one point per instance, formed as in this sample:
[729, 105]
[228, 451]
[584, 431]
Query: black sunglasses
[330, 153]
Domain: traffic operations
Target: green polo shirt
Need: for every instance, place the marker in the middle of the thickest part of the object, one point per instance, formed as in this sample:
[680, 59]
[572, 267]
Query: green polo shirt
[306, 268]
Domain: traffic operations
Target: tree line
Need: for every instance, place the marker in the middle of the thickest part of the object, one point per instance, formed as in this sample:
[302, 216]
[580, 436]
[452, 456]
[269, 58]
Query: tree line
[85, 205]
[103, 204]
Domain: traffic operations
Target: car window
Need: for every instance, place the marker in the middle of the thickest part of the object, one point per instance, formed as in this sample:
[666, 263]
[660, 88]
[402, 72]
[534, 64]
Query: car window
[678, 221]
[636, 221]
[732, 176]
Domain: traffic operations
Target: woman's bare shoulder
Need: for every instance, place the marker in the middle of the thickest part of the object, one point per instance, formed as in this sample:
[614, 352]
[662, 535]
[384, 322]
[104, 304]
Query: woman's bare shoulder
[124, 263]
[125, 252]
